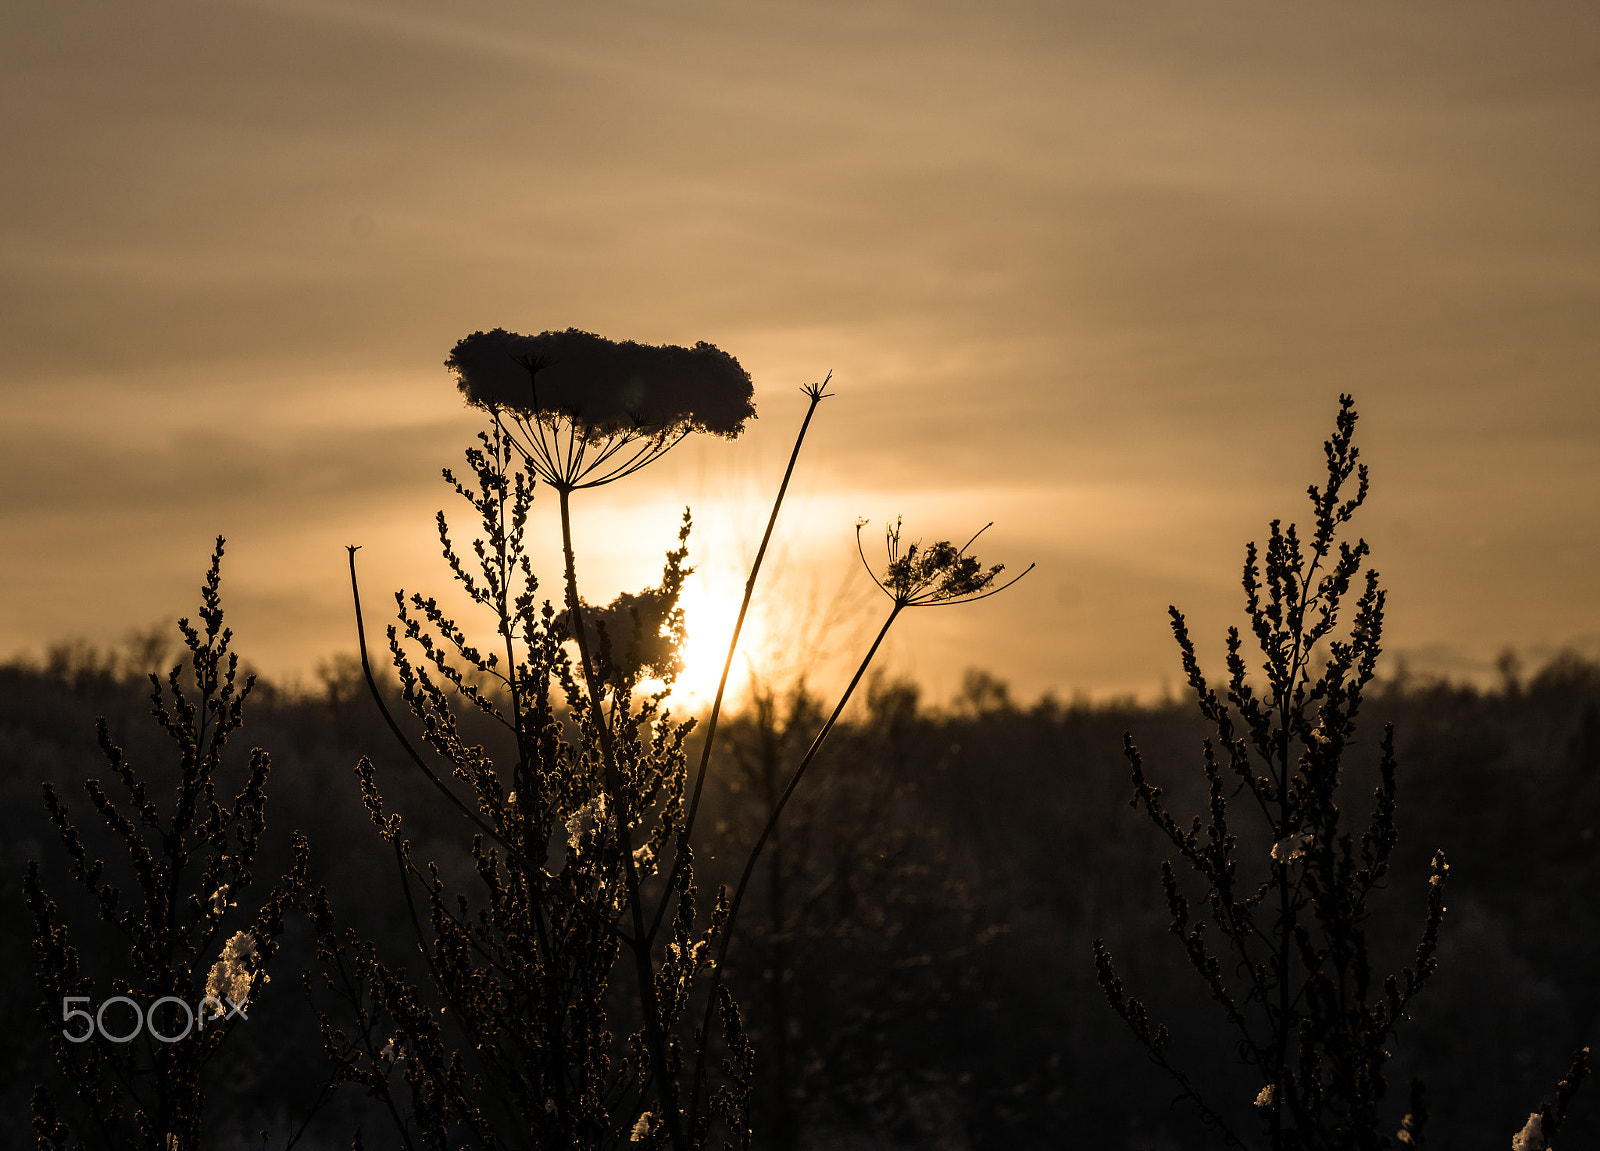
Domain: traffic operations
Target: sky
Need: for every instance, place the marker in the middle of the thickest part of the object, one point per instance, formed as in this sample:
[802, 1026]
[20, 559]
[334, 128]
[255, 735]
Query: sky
[1096, 273]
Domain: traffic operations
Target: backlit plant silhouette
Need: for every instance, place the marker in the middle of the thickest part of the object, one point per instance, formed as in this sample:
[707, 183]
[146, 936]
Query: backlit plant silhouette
[190, 867]
[583, 844]
[1292, 973]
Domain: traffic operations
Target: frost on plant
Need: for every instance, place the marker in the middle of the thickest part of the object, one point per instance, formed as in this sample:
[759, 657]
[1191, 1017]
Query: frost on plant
[641, 1129]
[1283, 950]
[1531, 1137]
[231, 976]
[1291, 848]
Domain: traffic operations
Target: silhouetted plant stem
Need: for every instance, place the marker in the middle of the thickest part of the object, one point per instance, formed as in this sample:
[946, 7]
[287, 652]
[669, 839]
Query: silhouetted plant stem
[940, 575]
[533, 861]
[383, 708]
[794, 782]
[817, 395]
[617, 797]
[761, 842]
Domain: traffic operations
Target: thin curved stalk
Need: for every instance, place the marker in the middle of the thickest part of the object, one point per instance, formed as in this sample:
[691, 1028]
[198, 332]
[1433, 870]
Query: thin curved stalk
[794, 782]
[383, 708]
[755, 854]
[817, 395]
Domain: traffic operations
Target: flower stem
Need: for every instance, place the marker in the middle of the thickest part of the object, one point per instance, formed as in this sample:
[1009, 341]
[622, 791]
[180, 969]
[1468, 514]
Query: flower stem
[817, 396]
[655, 1038]
[794, 782]
[766, 834]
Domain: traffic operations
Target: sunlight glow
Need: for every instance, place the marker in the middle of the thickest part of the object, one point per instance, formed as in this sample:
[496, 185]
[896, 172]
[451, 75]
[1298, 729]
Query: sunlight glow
[711, 607]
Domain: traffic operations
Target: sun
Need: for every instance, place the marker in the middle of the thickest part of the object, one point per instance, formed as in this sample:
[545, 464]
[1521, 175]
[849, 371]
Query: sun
[710, 609]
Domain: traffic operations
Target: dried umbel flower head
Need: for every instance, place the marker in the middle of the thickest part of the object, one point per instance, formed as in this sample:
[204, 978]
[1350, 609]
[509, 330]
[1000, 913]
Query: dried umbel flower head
[591, 410]
[935, 575]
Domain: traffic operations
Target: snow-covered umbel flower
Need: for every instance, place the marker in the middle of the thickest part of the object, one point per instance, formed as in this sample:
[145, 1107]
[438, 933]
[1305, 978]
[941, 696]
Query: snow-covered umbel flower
[1531, 1137]
[640, 634]
[230, 978]
[604, 387]
[1264, 1096]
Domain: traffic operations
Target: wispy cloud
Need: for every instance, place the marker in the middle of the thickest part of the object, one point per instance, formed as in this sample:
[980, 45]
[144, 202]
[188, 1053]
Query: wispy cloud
[1102, 269]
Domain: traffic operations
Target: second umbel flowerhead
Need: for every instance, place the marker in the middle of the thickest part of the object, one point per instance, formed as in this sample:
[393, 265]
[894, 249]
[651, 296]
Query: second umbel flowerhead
[936, 574]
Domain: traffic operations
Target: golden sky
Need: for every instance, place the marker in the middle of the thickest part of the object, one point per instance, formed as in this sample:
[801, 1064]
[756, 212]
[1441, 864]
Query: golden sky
[1097, 272]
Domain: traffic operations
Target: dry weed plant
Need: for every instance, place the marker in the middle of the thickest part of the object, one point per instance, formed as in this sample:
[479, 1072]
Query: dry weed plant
[525, 1029]
[1284, 951]
[190, 865]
